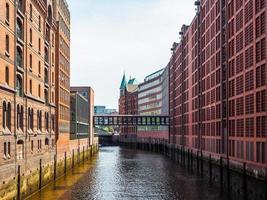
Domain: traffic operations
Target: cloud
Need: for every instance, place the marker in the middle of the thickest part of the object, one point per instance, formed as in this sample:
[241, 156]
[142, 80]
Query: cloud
[110, 36]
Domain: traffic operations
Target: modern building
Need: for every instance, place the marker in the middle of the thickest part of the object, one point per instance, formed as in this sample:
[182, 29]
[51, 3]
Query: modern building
[153, 99]
[79, 113]
[218, 82]
[102, 110]
[128, 103]
[27, 84]
[88, 94]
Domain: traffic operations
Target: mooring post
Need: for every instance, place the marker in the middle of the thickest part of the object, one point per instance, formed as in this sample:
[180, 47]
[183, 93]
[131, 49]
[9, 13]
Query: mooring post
[55, 167]
[221, 173]
[244, 182]
[83, 153]
[210, 169]
[40, 174]
[188, 159]
[18, 183]
[72, 158]
[65, 162]
[228, 175]
[201, 163]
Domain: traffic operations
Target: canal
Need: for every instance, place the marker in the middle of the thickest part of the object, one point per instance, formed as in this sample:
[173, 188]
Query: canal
[121, 174]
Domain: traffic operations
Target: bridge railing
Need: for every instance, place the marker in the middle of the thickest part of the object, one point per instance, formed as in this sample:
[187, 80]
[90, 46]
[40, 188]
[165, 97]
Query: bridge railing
[131, 120]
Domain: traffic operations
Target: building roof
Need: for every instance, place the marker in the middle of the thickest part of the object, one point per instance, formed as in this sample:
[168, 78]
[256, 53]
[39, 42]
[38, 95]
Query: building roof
[132, 81]
[123, 82]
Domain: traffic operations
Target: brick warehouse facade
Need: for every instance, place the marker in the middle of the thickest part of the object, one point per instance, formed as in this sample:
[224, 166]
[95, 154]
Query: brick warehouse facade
[27, 84]
[34, 96]
[218, 82]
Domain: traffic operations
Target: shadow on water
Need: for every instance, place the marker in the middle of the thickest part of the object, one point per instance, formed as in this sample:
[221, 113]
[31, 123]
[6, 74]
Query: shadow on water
[119, 174]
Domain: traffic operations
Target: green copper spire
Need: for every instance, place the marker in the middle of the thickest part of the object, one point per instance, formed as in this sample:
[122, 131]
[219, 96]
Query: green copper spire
[123, 82]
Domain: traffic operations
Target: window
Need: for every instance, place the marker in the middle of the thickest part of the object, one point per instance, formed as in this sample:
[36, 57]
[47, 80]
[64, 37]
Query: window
[39, 120]
[260, 75]
[261, 101]
[19, 117]
[30, 36]
[6, 119]
[39, 45]
[7, 44]
[53, 122]
[260, 50]
[39, 23]
[7, 75]
[39, 90]
[7, 12]
[39, 68]
[32, 146]
[249, 104]
[19, 29]
[31, 86]
[46, 121]
[19, 86]
[30, 119]
[19, 57]
[20, 5]
[46, 97]
[46, 56]
[20, 149]
[30, 11]
[31, 61]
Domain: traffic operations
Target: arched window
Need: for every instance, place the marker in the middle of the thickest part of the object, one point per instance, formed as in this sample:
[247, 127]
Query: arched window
[46, 121]
[4, 114]
[18, 116]
[19, 57]
[46, 141]
[7, 75]
[20, 149]
[19, 29]
[8, 119]
[7, 12]
[32, 118]
[21, 118]
[19, 86]
[7, 44]
[30, 36]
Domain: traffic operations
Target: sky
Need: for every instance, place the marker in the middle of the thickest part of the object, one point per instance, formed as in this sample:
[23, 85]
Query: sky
[110, 37]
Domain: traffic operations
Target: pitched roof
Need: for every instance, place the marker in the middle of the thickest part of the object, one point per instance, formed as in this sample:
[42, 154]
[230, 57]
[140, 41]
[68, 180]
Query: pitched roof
[132, 81]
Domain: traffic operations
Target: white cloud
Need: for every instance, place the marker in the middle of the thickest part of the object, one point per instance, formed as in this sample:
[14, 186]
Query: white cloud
[135, 36]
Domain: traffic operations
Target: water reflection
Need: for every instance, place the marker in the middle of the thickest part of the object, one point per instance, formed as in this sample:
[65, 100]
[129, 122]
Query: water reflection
[119, 174]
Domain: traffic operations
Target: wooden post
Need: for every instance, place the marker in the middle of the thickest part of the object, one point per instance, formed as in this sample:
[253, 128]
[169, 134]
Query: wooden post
[65, 163]
[221, 173]
[18, 184]
[55, 167]
[244, 182]
[40, 174]
[210, 169]
[72, 158]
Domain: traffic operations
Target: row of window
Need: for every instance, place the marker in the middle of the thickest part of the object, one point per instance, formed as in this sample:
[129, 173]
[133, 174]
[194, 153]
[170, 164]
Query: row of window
[7, 119]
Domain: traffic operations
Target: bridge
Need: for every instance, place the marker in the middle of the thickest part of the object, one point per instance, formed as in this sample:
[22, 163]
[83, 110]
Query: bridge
[131, 120]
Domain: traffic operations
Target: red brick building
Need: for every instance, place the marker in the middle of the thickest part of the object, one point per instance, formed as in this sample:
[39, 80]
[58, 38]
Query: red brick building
[128, 103]
[218, 82]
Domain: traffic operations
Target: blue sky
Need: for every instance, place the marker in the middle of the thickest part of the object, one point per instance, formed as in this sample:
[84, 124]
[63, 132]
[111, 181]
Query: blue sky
[109, 37]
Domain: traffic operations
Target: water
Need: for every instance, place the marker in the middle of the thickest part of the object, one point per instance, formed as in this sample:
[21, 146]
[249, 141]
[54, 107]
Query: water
[122, 174]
